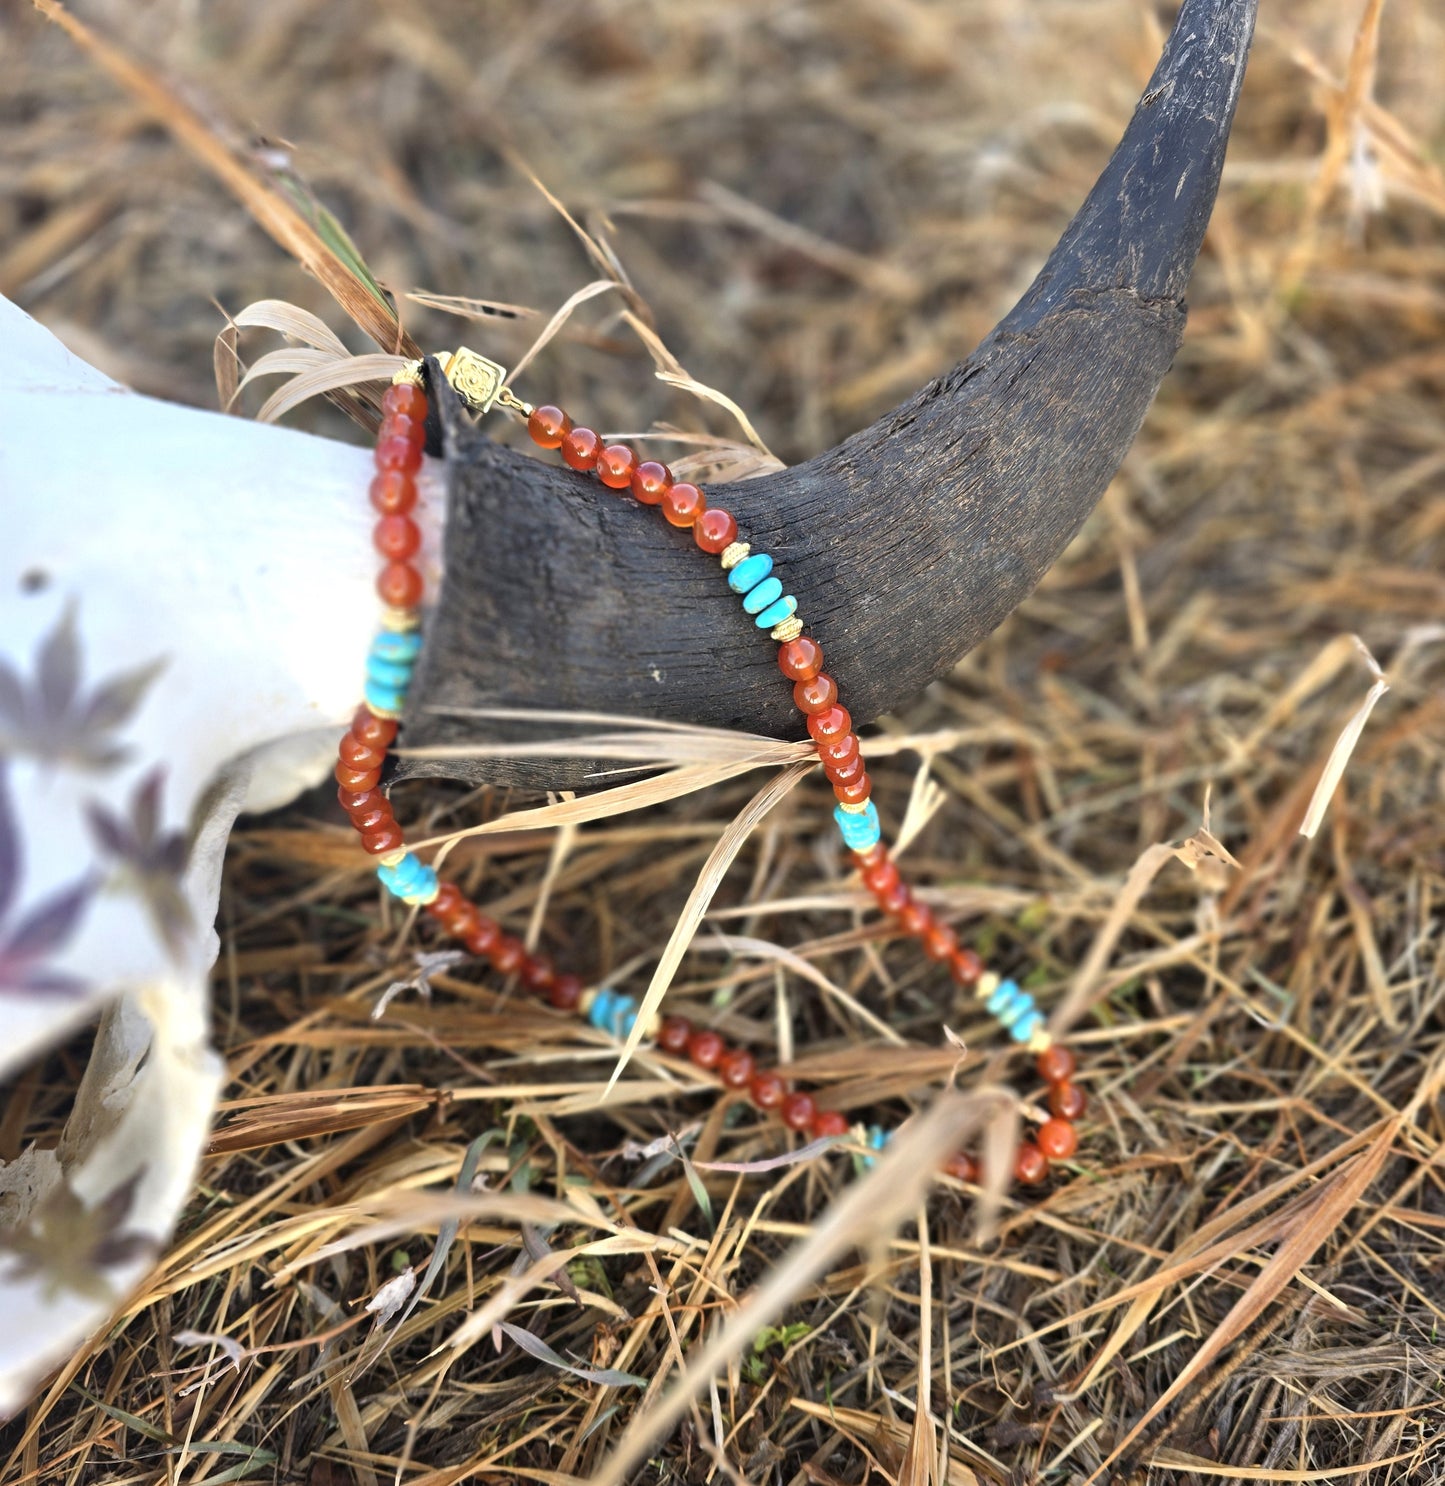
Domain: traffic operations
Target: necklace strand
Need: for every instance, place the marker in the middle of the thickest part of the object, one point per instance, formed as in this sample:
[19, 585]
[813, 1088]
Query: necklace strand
[751, 576]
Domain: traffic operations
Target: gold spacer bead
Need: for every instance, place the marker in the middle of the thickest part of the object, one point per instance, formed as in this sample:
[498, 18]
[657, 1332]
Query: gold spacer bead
[399, 620]
[652, 1027]
[409, 375]
[585, 1000]
[734, 553]
[789, 629]
[988, 983]
[1041, 1041]
[853, 809]
[391, 858]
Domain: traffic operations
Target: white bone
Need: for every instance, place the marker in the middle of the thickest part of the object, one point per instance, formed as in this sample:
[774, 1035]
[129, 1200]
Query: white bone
[240, 554]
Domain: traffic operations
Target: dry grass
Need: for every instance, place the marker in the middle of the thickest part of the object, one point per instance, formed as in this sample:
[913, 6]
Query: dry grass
[818, 206]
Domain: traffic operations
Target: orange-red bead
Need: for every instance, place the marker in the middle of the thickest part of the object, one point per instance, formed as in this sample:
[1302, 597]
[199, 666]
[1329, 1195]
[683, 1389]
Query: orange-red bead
[565, 992]
[855, 792]
[508, 954]
[832, 722]
[816, 694]
[673, 1035]
[838, 751]
[411, 429]
[962, 1167]
[829, 1122]
[581, 447]
[966, 967]
[940, 943]
[1031, 1166]
[682, 503]
[873, 857]
[357, 779]
[715, 530]
[615, 465]
[482, 937]
[797, 1111]
[736, 1068]
[1057, 1139]
[767, 1090]
[358, 755]
[706, 1048]
[1067, 1100]
[538, 973]
[893, 900]
[800, 659]
[374, 731]
[403, 400]
[393, 493]
[448, 901]
[398, 453]
[372, 816]
[881, 876]
[651, 481]
[1055, 1064]
[359, 799]
[396, 537]
[383, 838]
[548, 426]
[399, 585]
[850, 771]
[915, 918]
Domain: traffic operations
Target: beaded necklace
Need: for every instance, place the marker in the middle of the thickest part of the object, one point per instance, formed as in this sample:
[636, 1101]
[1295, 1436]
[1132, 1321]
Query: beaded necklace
[481, 385]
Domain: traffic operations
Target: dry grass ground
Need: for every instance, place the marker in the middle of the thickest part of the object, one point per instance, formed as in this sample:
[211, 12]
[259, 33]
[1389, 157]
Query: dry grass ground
[1242, 1277]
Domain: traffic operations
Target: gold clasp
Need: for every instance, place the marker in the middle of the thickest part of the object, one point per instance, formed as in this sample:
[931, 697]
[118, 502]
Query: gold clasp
[479, 381]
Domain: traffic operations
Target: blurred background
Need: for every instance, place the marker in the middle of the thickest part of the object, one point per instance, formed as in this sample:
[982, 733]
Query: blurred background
[822, 206]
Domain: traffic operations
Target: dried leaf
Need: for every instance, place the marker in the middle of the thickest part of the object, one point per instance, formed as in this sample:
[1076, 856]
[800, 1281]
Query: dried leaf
[606, 1377]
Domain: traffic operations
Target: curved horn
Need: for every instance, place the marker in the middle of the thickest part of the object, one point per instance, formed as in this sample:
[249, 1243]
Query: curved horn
[906, 544]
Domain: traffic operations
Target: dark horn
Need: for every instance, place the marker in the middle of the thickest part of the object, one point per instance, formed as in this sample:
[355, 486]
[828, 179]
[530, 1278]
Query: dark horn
[905, 545]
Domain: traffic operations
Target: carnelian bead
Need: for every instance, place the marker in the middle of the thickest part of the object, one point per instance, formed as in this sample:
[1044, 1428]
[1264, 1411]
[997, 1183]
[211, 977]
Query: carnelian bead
[850, 771]
[833, 722]
[939, 943]
[548, 426]
[374, 731]
[767, 1090]
[715, 530]
[736, 1068]
[1057, 1139]
[358, 799]
[399, 585]
[615, 465]
[371, 817]
[800, 659]
[398, 454]
[879, 878]
[651, 481]
[797, 1111]
[538, 973]
[895, 899]
[357, 778]
[358, 755]
[482, 937]
[1031, 1166]
[565, 992]
[682, 503]
[916, 919]
[855, 792]
[816, 694]
[1056, 1064]
[508, 954]
[838, 751]
[873, 857]
[706, 1048]
[463, 921]
[403, 400]
[447, 901]
[396, 537]
[1068, 1101]
[829, 1122]
[966, 967]
[672, 1036]
[393, 493]
[581, 447]
[413, 430]
[962, 1167]
[382, 839]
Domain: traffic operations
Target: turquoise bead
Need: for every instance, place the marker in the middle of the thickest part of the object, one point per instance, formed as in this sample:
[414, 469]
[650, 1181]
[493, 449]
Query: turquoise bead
[777, 613]
[765, 593]
[1003, 994]
[384, 699]
[860, 832]
[388, 672]
[750, 572]
[393, 645]
[610, 1010]
[1026, 1026]
[406, 876]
